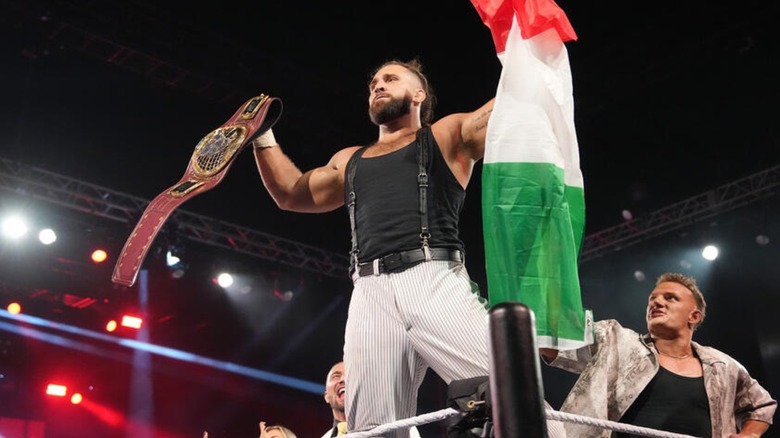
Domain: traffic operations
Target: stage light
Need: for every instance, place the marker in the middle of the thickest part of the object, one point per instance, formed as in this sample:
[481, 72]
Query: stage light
[111, 326]
[171, 258]
[284, 296]
[47, 236]
[14, 227]
[131, 321]
[76, 398]
[224, 279]
[14, 308]
[56, 390]
[174, 261]
[99, 255]
[710, 252]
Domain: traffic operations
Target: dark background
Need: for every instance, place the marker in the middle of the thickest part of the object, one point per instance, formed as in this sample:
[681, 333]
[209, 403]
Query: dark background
[670, 102]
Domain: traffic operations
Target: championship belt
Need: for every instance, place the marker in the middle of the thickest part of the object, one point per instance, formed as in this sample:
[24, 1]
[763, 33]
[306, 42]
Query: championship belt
[208, 165]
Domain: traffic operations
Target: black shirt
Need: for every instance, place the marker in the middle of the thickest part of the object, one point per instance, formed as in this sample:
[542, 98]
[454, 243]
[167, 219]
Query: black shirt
[387, 212]
[671, 403]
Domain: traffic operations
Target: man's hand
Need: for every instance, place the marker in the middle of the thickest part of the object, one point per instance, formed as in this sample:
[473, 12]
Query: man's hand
[548, 354]
[262, 429]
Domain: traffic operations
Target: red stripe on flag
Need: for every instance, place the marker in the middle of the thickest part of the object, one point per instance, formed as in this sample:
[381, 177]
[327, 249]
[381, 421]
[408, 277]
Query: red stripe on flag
[534, 17]
[497, 16]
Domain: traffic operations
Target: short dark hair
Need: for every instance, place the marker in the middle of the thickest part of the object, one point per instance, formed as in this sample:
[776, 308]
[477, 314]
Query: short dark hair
[691, 285]
[416, 67]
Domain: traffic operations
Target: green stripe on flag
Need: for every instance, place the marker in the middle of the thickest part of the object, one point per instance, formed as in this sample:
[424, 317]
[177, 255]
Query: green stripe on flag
[533, 226]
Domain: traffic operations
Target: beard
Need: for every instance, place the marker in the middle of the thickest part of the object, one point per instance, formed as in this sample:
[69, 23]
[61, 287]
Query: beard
[335, 402]
[389, 110]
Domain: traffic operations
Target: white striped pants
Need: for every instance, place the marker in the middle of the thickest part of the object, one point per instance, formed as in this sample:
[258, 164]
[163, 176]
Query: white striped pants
[400, 324]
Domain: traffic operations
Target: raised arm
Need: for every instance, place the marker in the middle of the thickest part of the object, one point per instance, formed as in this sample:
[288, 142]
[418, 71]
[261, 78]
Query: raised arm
[316, 191]
[473, 130]
[461, 137]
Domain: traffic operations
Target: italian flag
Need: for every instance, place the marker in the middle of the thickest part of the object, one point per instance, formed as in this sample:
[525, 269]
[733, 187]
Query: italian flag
[533, 202]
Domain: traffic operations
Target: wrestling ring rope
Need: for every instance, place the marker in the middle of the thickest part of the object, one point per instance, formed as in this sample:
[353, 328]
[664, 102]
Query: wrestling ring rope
[514, 362]
[551, 415]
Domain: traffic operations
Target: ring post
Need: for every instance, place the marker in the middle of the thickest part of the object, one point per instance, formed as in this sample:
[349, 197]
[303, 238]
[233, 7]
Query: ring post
[517, 395]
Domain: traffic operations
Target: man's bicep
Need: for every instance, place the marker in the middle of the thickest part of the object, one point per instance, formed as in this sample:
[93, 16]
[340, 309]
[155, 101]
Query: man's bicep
[324, 190]
[474, 130]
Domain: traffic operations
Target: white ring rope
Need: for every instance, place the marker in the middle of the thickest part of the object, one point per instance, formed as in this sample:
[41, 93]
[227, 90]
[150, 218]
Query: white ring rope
[405, 423]
[551, 415]
[612, 425]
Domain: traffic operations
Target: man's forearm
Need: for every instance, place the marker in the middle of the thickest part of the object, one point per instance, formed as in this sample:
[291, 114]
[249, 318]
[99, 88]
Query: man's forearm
[279, 174]
[752, 429]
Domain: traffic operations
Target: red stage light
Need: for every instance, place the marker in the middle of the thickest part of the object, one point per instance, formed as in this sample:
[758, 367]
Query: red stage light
[99, 255]
[111, 326]
[56, 390]
[131, 321]
[14, 308]
[76, 398]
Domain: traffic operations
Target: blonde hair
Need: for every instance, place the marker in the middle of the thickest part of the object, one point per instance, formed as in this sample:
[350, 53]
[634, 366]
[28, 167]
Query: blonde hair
[287, 433]
[690, 284]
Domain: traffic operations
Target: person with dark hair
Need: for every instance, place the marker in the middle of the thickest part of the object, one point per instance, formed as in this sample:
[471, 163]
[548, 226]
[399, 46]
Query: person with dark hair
[413, 304]
[663, 379]
[335, 393]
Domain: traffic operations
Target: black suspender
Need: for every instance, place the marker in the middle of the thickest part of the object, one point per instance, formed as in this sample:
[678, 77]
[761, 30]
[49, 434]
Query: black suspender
[423, 147]
[351, 168]
[422, 187]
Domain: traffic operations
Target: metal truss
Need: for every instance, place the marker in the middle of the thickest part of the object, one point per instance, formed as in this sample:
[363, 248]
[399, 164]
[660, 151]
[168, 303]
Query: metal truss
[50, 31]
[109, 204]
[142, 63]
[725, 198]
[106, 203]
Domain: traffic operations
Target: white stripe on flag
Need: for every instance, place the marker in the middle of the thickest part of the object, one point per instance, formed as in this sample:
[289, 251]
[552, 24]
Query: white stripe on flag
[533, 202]
[533, 116]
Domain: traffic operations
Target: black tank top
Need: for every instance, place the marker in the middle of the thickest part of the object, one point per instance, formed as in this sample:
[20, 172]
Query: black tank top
[387, 214]
[672, 403]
